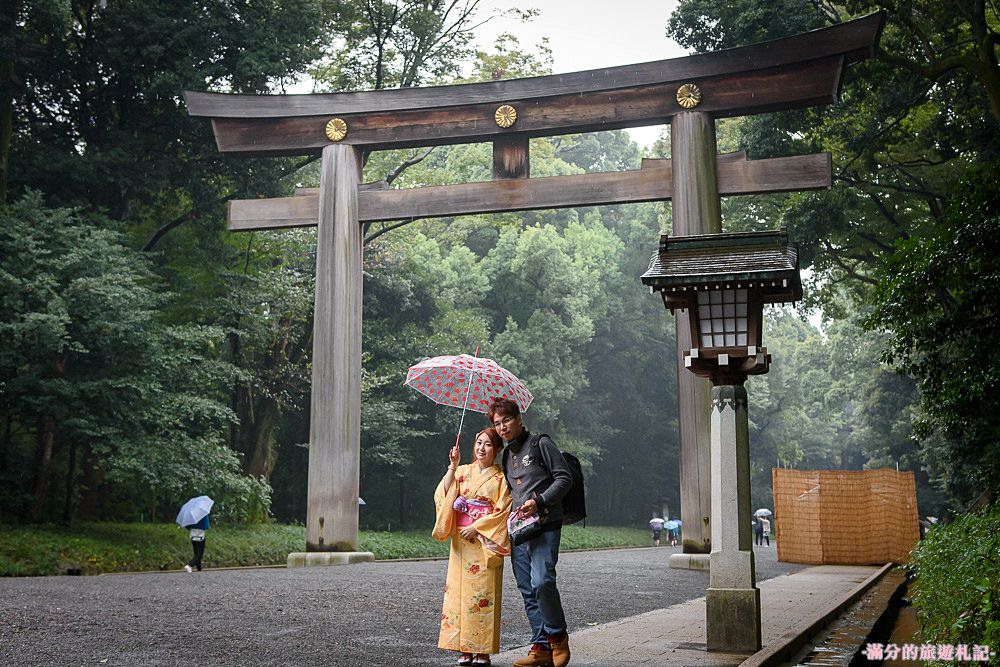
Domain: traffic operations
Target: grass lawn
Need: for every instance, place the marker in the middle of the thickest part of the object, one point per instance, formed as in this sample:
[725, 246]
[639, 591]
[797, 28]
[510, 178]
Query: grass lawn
[95, 548]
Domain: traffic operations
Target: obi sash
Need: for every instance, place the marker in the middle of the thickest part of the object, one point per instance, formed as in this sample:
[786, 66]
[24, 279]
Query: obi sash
[469, 510]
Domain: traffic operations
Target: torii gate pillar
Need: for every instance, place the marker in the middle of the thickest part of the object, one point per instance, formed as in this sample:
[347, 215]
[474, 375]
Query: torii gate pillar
[335, 407]
[696, 210]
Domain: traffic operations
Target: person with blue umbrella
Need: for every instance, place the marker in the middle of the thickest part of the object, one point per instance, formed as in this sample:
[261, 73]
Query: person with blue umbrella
[672, 528]
[194, 516]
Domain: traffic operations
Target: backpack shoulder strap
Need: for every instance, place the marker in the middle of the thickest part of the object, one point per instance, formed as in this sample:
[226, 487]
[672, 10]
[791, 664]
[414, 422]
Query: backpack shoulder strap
[535, 441]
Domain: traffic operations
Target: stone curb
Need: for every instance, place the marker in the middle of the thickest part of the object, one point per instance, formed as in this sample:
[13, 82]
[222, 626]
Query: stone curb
[561, 551]
[377, 560]
[328, 558]
[791, 643]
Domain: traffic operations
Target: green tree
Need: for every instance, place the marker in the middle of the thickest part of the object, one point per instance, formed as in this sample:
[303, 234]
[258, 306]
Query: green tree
[267, 311]
[908, 124]
[97, 111]
[939, 306]
[399, 43]
[95, 386]
[792, 424]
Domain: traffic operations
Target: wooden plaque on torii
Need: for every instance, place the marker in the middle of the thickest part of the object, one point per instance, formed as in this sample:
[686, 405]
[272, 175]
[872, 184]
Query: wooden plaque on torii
[689, 93]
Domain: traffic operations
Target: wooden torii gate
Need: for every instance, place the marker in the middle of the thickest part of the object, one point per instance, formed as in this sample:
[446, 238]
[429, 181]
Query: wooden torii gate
[689, 93]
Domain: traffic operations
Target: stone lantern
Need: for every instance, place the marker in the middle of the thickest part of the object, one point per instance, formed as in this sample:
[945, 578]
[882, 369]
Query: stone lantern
[723, 281]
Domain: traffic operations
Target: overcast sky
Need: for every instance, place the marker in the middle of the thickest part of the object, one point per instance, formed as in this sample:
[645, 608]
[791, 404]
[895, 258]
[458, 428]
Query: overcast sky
[584, 34]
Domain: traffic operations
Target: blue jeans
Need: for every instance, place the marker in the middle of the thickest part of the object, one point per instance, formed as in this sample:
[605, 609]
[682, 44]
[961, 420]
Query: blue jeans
[534, 565]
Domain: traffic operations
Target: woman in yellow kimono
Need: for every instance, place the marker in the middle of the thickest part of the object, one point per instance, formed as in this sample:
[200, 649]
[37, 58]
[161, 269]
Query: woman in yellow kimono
[473, 503]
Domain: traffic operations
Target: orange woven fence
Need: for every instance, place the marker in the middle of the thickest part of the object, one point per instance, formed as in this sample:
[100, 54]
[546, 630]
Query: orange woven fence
[845, 517]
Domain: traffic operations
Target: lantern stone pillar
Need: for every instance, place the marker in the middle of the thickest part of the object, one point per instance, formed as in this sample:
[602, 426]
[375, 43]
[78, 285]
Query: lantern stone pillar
[733, 599]
[696, 210]
[723, 282]
[335, 406]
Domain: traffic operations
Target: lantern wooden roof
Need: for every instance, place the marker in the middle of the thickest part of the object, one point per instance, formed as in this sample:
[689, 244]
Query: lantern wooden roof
[763, 260]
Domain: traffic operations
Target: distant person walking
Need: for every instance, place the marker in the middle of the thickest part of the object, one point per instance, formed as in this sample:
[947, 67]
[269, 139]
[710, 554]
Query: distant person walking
[758, 531]
[198, 544]
[656, 525]
[766, 529]
[194, 516]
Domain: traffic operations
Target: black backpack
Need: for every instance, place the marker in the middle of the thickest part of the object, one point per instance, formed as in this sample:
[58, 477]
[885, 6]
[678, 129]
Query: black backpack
[574, 503]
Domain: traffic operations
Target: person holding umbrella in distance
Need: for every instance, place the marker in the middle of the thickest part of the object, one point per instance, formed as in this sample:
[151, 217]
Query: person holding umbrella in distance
[762, 526]
[194, 516]
[656, 525]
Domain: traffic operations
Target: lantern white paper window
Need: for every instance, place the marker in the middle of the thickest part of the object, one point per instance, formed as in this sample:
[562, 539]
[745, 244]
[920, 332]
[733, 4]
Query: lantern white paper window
[722, 318]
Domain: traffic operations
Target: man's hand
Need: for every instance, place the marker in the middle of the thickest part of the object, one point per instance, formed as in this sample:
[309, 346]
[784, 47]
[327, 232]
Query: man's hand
[468, 532]
[529, 507]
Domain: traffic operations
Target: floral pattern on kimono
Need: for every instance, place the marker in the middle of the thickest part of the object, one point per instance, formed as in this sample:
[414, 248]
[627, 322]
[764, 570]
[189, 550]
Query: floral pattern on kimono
[470, 616]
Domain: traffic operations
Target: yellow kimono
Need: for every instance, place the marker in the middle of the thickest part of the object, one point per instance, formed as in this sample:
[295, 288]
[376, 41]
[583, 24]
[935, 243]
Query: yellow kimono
[470, 618]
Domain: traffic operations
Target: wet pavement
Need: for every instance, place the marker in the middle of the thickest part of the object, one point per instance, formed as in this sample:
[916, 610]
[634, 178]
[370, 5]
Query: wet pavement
[383, 613]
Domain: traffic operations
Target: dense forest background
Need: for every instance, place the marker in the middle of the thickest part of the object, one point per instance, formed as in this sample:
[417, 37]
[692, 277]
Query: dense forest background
[147, 355]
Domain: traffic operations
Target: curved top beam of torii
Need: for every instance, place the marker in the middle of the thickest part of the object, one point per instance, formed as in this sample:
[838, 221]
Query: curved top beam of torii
[793, 72]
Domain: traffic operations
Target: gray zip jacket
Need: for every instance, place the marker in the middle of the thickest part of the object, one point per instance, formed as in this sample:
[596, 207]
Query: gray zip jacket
[547, 481]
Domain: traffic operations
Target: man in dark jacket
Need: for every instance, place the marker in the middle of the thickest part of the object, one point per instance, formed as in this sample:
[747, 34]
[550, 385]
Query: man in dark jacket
[539, 479]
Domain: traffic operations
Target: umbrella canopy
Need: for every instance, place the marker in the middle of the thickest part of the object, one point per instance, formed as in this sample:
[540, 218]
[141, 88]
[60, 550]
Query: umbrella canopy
[762, 512]
[194, 511]
[673, 525]
[464, 381]
[656, 523]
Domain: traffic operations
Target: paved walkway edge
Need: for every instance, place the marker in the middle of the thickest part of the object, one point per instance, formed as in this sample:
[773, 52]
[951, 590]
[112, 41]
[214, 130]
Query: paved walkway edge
[791, 643]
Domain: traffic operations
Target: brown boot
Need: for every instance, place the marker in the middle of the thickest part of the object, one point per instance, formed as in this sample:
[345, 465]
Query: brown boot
[560, 649]
[538, 656]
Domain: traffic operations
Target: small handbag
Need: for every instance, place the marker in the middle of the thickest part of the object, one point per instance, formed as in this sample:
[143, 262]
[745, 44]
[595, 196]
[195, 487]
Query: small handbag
[523, 528]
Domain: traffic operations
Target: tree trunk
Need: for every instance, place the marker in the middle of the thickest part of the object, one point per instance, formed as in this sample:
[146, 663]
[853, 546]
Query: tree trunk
[70, 471]
[990, 76]
[262, 454]
[4, 445]
[252, 436]
[404, 503]
[240, 391]
[8, 87]
[44, 446]
[92, 487]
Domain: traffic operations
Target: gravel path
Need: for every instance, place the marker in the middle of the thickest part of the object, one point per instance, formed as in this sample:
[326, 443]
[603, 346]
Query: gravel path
[383, 613]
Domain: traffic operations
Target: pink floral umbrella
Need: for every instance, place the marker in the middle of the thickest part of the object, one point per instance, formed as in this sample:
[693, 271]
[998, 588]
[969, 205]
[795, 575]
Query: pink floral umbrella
[466, 382]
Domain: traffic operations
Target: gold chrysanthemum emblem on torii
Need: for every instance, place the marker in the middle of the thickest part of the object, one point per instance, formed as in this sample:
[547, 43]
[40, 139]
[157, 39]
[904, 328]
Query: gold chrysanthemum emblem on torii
[505, 116]
[336, 129]
[688, 96]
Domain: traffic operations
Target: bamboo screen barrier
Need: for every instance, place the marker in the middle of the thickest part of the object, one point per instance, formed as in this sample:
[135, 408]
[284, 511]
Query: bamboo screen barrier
[844, 517]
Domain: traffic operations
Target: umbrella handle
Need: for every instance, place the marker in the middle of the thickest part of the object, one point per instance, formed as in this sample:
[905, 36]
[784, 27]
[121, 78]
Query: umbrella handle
[462, 422]
[468, 388]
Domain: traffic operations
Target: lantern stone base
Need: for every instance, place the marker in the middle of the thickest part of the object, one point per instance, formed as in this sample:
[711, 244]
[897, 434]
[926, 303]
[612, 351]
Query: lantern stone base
[690, 561]
[328, 558]
[733, 619]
